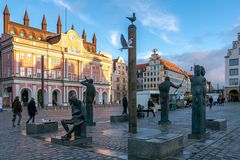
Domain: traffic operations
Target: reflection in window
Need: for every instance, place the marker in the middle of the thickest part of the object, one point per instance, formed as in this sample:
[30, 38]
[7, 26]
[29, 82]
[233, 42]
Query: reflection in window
[12, 32]
[22, 34]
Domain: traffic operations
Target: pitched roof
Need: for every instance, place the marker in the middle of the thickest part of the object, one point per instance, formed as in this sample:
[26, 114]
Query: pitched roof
[141, 66]
[173, 67]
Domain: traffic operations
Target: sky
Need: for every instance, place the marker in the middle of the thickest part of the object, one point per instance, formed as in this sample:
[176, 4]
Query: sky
[186, 32]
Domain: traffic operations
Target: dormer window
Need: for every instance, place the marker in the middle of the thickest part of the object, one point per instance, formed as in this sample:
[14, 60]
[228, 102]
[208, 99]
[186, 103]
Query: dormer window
[39, 38]
[31, 36]
[12, 32]
[22, 34]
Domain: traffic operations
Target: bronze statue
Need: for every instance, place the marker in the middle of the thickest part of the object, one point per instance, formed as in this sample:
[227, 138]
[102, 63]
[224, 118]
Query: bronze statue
[198, 89]
[90, 95]
[164, 88]
[78, 119]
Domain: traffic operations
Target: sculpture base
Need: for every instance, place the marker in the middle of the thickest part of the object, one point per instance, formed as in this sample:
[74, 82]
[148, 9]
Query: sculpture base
[199, 136]
[164, 122]
[217, 124]
[91, 123]
[119, 118]
[72, 141]
[152, 144]
[39, 128]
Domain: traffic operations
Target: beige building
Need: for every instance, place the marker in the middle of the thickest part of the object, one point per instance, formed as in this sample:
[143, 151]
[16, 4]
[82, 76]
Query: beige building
[119, 80]
[159, 68]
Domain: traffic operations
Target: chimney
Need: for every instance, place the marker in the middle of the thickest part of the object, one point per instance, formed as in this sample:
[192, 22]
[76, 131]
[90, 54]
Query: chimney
[6, 19]
[26, 19]
[84, 35]
[44, 23]
[59, 25]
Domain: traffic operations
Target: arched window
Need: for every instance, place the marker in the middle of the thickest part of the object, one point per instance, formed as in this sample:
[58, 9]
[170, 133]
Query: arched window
[39, 38]
[22, 33]
[31, 36]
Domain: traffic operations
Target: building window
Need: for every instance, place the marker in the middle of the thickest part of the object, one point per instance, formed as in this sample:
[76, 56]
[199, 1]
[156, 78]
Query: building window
[31, 36]
[22, 71]
[22, 34]
[233, 62]
[233, 81]
[29, 72]
[58, 74]
[8, 72]
[21, 55]
[117, 79]
[38, 73]
[12, 32]
[233, 72]
[29, 57]
[39, 38]
[54, 74]
[69, 76]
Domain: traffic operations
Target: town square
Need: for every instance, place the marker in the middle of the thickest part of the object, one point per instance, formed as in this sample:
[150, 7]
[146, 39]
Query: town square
[114, 79]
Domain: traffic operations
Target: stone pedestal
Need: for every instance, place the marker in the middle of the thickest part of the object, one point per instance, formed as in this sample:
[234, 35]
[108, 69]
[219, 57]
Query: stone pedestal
[152, 144]
[39, 128]
[119, 118]
[199, 136]
[164, 122]
[72, 141]
[217, 124]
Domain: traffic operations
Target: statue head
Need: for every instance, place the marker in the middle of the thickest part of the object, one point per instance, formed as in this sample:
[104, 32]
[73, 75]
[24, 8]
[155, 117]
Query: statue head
[167, 79]
[90, 81]
[197, 70]
[73, 100]
[203, 72]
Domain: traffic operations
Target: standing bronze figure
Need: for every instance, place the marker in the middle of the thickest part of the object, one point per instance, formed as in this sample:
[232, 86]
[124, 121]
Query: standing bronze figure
[164, 88]
[90, 95]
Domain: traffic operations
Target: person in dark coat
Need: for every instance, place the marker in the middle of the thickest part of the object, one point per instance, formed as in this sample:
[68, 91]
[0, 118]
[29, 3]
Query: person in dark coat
[125, 105]
[17, 110]
[32, 110]
[210, 102]
[150, 107]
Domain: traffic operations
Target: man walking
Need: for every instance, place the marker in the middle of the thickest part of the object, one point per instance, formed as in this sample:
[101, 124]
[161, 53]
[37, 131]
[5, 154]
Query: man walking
[125, 105]
[17, 110]
[210, 102]
[150, 107]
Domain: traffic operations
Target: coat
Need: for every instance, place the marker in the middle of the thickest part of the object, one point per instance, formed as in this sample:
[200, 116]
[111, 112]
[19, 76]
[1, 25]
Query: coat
[124, 102]
[32, 108]
[17, 107]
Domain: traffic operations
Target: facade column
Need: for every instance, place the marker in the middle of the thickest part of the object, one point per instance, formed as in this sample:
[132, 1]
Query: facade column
[17, 90]
[34, 92]
[100, 96]
[80, 93]
[49, 96]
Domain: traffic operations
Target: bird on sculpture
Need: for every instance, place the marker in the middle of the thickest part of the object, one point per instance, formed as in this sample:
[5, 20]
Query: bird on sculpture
[124, 43]
[133, 18]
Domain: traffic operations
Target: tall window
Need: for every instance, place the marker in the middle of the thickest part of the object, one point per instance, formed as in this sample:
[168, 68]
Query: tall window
[29, 72]
[58, 74]
[233, 62]
[54, 74]
[22, 71]
[21, 55]
[29, 57]
[233, 81]
[233, 72]
[38, 73]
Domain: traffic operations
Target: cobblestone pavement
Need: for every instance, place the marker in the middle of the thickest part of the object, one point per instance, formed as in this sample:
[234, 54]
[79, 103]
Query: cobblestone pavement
[110, 139]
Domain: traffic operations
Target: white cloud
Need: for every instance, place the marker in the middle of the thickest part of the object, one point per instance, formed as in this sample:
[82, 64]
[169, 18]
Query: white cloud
[62, 3]
[114, 40]
[166, 39]
[151, 16]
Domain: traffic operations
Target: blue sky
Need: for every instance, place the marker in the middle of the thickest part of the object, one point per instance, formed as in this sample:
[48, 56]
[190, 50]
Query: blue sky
[186, 32]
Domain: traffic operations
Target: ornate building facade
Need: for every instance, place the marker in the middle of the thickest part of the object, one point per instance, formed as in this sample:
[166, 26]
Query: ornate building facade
[68, 59]
[159, 68]
[119, 80]
[232, 74]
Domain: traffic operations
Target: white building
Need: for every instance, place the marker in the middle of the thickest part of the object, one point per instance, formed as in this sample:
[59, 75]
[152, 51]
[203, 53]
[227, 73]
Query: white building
[232, 77]
[159, 68]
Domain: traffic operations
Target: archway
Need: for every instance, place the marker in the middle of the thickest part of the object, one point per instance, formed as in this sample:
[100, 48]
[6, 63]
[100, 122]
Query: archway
[71, 93]
[233, 95]
[97, 98]
[56, 97]
[25, 96]
[39, 97]
[104, 98]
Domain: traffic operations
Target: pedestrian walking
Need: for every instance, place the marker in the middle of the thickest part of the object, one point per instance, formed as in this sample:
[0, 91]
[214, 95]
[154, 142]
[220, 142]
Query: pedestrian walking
[125, 105]
[210, 102]
[17, 110]
[222, 100]
[32, 110]
[150, 107]
[218, 101]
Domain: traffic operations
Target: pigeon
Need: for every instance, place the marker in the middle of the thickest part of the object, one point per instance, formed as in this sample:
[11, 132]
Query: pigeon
[133, 18]
[124, 43]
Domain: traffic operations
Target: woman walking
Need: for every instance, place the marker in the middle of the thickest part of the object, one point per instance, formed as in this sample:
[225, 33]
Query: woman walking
[32, 110]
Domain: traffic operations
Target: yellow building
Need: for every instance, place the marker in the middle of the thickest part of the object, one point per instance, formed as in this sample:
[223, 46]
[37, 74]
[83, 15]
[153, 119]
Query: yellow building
[68, 59]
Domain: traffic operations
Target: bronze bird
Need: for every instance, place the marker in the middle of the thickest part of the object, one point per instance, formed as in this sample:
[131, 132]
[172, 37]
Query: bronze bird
[133, 18]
